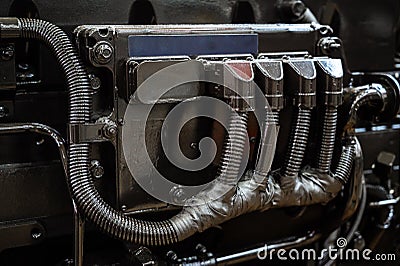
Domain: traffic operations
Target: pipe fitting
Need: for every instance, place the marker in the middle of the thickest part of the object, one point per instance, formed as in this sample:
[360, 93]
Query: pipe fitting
[300, 82]
[270, 78]
[9, 28]
[374, 95]
[239, 75]
[330, 91]
[330, 80]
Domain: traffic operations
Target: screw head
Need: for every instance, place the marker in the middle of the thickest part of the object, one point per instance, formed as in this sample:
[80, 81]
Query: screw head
[7, 53]
[95, 82]
[171, 255]
[110, 131]
[298, 8]
[96, 169]
[201, 248]
[103, 52]
[178, 195]
[3, 111]
[23, 66]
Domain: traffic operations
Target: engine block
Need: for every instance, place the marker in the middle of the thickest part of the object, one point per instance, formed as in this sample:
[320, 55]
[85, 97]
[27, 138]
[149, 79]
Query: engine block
[176, 123]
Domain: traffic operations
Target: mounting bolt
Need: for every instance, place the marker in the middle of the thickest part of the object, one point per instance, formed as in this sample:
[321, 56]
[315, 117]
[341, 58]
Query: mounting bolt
[7, 53]
[68, 262]
[95, 82]
[110, 130]
[96, 169]
[3, 111]
[328, 44]
[103, 52]
[298, 8]
[171, 255]
[292, 9]
[201, 249]
[178, 195]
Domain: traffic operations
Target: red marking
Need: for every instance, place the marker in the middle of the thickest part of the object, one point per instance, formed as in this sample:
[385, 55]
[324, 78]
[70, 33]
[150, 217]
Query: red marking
[241, 69]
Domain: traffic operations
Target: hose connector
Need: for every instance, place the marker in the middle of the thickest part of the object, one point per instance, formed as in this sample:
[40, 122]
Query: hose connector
[300, 84]
[270, 78]
[9, 28]
[330, 80]
[239, 75]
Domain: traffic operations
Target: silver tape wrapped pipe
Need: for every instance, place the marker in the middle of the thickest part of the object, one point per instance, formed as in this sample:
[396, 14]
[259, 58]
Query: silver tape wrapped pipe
[311, 187]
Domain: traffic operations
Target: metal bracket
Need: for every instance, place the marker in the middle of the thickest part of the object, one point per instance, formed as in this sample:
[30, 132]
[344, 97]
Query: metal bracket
[92, 132]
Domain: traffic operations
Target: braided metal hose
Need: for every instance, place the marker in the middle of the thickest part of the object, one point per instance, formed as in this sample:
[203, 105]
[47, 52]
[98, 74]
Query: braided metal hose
[327, 139]
[297, 143]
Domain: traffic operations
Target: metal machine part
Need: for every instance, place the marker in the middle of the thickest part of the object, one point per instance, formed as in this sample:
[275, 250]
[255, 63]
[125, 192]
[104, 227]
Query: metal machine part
[278, 101]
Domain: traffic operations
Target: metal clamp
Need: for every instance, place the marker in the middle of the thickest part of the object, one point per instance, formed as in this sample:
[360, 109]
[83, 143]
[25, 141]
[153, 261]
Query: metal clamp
[92, 132]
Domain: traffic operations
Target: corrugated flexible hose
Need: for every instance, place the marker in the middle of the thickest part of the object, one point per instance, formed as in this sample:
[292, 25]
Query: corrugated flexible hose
[327, 139]
[297, 143]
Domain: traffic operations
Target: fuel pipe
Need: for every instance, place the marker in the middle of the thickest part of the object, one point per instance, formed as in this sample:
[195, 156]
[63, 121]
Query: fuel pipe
[270, 79]
[301, 91]
[330, 74]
